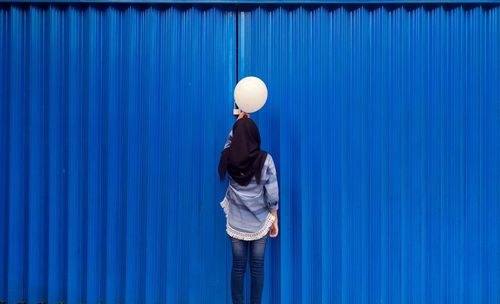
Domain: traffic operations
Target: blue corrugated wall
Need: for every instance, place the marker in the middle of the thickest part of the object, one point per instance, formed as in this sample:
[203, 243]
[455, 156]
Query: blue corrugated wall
[386, 125]
[384, 122]
[112, 119]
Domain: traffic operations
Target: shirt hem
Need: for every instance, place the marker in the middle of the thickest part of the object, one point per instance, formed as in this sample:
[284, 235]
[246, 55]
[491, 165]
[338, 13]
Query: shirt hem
[247, 236]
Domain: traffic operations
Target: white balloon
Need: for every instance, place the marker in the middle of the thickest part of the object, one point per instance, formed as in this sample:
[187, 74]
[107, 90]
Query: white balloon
[250, 94]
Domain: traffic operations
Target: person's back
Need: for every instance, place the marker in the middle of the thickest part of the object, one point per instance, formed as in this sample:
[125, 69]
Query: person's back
[250, 204]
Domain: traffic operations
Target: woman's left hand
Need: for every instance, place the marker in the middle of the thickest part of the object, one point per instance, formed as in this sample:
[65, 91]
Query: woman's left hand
[274, 229]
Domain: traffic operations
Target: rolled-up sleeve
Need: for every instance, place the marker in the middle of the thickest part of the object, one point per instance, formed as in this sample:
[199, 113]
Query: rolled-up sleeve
[271, 187]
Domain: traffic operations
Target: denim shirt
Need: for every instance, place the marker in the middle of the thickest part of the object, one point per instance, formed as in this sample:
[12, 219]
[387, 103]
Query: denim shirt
[248, 208]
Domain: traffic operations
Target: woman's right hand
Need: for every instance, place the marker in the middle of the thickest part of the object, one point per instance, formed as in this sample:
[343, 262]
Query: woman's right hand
[243, 114]
[274, 229]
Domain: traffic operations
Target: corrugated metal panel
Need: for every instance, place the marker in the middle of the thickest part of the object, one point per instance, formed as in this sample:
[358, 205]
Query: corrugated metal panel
[112, 120]
[253, 2]
[386, 126]
[384, 123]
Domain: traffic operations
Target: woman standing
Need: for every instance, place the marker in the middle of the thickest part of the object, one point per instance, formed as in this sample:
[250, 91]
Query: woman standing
[250, 204]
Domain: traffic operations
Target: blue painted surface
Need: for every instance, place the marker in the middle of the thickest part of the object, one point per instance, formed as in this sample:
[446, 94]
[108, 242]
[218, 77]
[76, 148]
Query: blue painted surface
[384, 123]
[386, 127]
[264, 2]
[112, 120]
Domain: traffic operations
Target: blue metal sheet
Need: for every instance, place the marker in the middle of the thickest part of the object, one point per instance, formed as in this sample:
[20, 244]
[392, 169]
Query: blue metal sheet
[254, 2]
[111, 123]
[384, 122]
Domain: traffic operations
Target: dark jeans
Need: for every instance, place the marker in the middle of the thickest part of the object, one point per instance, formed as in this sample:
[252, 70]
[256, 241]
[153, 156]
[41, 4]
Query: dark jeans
[240, 253]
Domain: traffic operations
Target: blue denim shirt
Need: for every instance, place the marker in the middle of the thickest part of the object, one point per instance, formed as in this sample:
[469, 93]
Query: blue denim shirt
[248, 208]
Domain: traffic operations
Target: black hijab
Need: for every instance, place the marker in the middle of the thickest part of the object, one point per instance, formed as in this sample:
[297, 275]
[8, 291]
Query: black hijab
[243, 159]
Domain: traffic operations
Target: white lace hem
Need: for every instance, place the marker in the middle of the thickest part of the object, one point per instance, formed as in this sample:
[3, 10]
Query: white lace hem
[247, 236]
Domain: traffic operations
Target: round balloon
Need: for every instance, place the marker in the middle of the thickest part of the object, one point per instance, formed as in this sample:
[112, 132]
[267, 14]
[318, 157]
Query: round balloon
[250, 94]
